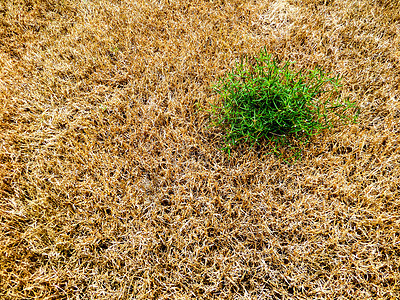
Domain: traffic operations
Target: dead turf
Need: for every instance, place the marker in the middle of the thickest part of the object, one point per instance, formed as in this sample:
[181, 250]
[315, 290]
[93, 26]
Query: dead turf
[113, 187]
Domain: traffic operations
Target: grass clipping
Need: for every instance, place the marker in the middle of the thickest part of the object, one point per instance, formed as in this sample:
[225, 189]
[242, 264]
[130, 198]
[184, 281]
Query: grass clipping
[264, 100]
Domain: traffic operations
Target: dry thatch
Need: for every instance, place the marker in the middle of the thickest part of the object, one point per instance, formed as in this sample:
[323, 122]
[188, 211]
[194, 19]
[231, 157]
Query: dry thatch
[113, 187]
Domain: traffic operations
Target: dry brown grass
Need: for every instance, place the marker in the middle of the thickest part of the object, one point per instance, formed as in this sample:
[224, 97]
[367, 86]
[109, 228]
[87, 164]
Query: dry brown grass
[112, 187]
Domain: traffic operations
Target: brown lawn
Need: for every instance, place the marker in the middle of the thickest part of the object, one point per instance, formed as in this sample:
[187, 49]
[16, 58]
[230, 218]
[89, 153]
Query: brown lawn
[112, 186]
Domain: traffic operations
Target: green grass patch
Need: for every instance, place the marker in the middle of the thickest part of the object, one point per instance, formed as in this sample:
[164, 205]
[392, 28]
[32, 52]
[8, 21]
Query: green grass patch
[265, 101]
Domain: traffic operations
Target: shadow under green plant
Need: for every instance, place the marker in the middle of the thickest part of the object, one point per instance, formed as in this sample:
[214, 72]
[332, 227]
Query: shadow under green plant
[264, 101]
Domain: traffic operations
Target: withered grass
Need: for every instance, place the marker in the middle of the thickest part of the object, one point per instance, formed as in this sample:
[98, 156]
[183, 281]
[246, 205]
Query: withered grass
[113, 187]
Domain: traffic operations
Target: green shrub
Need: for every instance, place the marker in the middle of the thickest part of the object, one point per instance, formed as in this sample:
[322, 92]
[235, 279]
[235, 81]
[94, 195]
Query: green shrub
[263, 100]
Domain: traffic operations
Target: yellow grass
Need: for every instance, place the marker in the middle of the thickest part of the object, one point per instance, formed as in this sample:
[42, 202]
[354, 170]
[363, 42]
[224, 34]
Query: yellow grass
[113, 187]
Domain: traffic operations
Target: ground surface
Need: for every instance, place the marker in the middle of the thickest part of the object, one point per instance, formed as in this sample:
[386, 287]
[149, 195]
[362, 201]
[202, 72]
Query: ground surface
[113, 187]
